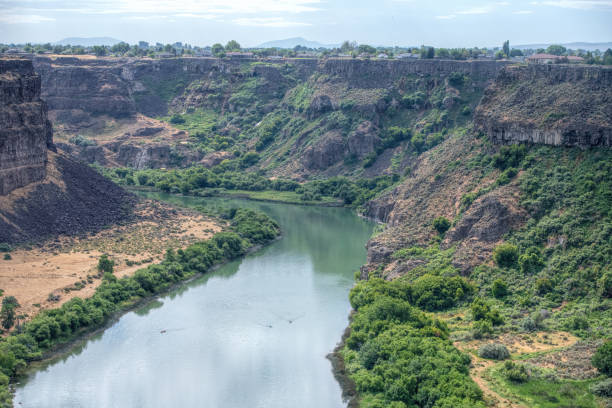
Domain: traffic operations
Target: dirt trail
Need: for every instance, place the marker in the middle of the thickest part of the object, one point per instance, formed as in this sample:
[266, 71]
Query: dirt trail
[517, 344]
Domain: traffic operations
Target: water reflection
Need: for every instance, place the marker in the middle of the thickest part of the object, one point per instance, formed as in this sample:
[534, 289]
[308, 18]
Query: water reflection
[252, 334]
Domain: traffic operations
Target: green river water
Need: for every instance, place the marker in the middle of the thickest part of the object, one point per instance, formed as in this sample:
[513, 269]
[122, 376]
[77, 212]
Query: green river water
[254, 333]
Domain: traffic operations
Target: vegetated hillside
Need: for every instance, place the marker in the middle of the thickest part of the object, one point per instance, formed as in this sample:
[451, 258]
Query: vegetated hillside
[510, 247]
[552, 104]
[45, 193]
[303, 117]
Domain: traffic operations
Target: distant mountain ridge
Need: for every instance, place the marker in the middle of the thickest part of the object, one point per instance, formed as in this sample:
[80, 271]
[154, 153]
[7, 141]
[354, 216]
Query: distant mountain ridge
[292, 42]
[602, 46]
[88, 41]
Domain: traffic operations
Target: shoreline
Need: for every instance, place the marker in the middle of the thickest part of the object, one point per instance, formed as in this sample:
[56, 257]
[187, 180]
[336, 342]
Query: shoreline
[64, 349]
[347, 385]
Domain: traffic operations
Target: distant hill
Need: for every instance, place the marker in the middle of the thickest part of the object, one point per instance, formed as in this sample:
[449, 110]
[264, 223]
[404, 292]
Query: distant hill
[574, 46]
[88, 41]
[292, 42]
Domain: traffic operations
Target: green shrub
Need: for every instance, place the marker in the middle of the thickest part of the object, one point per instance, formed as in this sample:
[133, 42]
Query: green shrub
[543, 285]
[482, 311]
[602, 359]
[432, 292]
[603, 388]
[515, 372]
[531, 261]
[7, 257]
[499, 289]
[105, 264]
[4, 247]
[441, 224]
[494, 351]
[482, 329]
[605, 283]
[505, 255]
[509, 156]
[177, 119]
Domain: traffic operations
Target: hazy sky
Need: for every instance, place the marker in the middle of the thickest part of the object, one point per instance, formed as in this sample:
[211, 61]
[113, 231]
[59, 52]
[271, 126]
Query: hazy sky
[250, 22]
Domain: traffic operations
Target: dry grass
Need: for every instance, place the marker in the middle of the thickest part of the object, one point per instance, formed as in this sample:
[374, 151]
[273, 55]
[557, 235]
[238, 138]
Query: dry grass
[66, 267]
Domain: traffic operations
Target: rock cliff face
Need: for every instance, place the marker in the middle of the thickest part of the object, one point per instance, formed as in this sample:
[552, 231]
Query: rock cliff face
[91, 95]
[26, 133]
[560, 105]
[44, 193]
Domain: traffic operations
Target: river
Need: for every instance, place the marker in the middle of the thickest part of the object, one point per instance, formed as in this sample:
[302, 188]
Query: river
[254, 333]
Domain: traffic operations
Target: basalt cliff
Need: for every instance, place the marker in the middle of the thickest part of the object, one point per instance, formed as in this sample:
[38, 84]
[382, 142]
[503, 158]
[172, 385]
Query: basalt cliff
[44, 193]
[560, 105]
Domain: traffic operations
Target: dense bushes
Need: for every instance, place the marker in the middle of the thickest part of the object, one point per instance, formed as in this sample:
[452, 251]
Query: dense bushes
[54, 326]
[399, 357]
[602, 359]
[229, 176]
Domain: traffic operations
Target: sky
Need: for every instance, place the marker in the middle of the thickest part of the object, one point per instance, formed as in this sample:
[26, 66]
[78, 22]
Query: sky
[440, 23]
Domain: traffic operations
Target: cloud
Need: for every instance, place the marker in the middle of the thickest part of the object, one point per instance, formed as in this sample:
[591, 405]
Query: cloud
[268, 22]
[477, 10]
[447, 17]
[578, 4]
[24, 19]
[523, 12]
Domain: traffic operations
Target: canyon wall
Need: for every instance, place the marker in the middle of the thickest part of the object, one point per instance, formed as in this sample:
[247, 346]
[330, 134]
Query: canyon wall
[26, 133]
[44, 193]
[560, 105]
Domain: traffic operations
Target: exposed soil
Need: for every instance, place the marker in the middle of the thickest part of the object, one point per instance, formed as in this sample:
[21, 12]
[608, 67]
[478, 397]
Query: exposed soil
[552, 344]
[66, 267]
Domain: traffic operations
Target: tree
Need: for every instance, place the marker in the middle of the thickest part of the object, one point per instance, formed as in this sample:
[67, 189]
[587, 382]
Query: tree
[441, 224]
[515, 52]
[99, 50]
[602, 359]
[427, 52]
[506, 48]
[217, 50]
[499, 288]
[120, 48]
[7, 314]
[505, 255]
[366, 49]
[347, 47]
[556, 49]
[105, 264]
[232, 45]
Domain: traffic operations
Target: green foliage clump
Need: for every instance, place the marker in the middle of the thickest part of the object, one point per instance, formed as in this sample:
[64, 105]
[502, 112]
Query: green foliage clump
[499, 289]
[397, 356]
[432, 292]
[494, 351]
[515, 372]
[7, 257]
[7, 313]
[509, 156]
[531, 261]
[602, 359]
[505, 255]
[177, 119]
[441, 224]
[603, 388]
[481, 310]
[105, 264]
[4, 247]
[81, 140]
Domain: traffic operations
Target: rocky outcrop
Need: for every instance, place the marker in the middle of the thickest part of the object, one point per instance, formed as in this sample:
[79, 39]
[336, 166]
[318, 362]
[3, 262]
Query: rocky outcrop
[560, 105]
[363, 140]
[327, 151]
[25, 134]
[45, 193]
